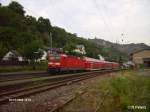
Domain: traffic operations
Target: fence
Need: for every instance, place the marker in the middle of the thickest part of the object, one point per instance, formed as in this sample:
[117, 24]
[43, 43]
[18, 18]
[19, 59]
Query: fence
[13, 63]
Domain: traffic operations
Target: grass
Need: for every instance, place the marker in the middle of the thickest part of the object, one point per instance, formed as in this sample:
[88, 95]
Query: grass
[115, 94]
[131, 90]
[30, 67]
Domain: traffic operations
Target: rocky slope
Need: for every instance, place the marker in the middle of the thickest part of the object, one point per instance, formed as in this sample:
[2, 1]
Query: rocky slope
[126, 48]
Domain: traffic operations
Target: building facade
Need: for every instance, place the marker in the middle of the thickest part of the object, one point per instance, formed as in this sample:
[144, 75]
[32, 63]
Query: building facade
[80, 49]
[12, 56]
[141, 57]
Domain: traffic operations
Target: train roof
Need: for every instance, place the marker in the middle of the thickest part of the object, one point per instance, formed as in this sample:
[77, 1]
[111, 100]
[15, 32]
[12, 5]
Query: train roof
[111, 62]
[92, 59]
[89, 59]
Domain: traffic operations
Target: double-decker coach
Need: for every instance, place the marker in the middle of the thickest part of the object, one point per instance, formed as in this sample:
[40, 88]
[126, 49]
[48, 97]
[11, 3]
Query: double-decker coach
[93, 64]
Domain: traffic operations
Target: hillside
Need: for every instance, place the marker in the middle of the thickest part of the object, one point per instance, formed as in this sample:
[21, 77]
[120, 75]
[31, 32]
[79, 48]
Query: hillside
[126, 48]
[27, 34]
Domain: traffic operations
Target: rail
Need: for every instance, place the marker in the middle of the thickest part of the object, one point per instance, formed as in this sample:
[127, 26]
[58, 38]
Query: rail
[47, 84]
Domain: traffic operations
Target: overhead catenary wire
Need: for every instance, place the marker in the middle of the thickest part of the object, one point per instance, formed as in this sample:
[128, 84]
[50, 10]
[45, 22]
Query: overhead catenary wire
[110, 28]
[124, 32]
[103, 18]
[110, 23]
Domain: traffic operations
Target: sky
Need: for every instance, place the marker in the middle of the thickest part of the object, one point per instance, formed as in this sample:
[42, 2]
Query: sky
[121, 21]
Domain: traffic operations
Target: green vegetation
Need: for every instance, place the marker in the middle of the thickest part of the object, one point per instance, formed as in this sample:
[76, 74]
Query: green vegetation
[42, 66]
[116, 93]
[112, 54]
[131, 90]
[26, 34]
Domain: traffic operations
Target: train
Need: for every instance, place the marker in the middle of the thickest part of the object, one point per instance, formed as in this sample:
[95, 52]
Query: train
[63, 62]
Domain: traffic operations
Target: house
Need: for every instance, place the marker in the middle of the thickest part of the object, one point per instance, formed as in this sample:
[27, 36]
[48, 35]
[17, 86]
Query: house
[80, 49]
[141, 57]
[128, 64]
[43, 57]
[101, 57]
[12, 55]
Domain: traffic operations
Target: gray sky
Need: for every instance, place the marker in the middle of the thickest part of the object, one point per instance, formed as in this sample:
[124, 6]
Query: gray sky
[106, 19]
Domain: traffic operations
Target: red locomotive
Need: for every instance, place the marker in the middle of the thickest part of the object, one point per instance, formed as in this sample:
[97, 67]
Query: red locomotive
[63, 62]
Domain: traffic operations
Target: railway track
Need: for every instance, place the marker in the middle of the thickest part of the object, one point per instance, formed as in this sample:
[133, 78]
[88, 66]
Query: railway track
[23, 88]
[18, 76]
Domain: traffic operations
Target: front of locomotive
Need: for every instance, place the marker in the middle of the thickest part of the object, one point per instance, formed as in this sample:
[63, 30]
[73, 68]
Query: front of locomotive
[54, 61]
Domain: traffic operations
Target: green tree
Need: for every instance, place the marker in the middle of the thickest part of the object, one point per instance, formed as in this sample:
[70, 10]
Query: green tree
[23, 38]
[16, 7]
[7, 35]
[69, 47]
[30, 50]
[120, 60]
[9, 18]
[3, 51]
[43, 25]
[31, 23]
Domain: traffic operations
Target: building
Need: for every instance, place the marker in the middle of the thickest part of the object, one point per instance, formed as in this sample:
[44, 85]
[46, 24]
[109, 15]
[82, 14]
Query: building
[80, 49]
[101, 57]
[141, 57]
[43, 57]
[128, 64]
[12, 55]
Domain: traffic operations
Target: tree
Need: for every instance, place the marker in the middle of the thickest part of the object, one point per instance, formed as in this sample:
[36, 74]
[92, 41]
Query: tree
[3, 51]
[30, 50]
[7, 35]
[23, 38]
[60, 37]
[120, 60]
[15, 6]
[43, 25]
[30, 22]
[69, 47]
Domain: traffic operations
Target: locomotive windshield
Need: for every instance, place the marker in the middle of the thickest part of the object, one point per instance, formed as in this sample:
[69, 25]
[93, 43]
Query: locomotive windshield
[54, 57]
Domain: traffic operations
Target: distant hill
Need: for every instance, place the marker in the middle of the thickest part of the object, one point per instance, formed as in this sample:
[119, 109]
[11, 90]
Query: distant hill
[126, 48]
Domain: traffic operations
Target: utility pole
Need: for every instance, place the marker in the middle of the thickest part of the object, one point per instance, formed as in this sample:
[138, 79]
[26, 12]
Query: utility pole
[51, 41]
